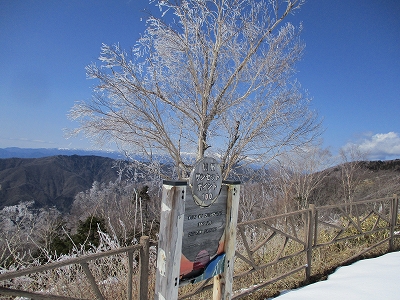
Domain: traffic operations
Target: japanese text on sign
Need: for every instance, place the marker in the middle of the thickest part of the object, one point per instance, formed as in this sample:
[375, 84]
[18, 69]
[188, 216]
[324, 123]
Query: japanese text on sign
[206, 180]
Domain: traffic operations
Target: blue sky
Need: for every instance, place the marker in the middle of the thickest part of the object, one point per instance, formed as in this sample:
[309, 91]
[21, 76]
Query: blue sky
[350, 68]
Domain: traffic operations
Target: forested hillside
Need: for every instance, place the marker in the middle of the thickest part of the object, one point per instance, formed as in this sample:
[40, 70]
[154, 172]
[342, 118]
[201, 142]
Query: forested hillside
[51, 181]
[358, 181]
[55, 181]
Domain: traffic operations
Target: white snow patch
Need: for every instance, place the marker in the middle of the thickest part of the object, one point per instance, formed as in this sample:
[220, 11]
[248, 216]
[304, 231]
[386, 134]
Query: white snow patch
[369, 279]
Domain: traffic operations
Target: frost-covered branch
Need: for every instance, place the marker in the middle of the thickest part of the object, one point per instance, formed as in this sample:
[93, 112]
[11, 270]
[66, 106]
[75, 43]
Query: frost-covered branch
[187, 83]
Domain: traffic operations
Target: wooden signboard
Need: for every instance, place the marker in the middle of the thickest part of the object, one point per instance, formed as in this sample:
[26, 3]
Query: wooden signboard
[197, 232]
[204, 223]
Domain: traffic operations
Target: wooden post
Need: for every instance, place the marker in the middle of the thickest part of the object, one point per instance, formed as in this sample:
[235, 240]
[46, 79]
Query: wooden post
[393, 222]
[170, 240]
[222, 288]
[130, 275]
[310, 239]
[92, 280]
[144, 268]
[315, 227]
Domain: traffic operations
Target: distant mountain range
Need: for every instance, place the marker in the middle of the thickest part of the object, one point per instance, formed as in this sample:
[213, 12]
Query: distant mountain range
[44, 152]
[51, 181]
[53, 177]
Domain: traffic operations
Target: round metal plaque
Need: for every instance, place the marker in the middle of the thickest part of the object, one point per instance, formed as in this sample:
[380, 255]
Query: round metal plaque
[206, 181]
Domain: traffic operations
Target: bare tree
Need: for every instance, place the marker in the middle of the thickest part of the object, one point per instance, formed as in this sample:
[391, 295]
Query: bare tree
[306, 167]
[26, 233]
[296, 175]
[351, 171]
[282, 187]
[209, 74]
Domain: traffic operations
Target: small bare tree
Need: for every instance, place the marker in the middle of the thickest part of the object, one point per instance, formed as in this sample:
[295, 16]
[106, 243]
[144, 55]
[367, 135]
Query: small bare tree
[282, 191]
[213, 73]
[26, 233]
[297, 174]
[351, 171]
[306, 167]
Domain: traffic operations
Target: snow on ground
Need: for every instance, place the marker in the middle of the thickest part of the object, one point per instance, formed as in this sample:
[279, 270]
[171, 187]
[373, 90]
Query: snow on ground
[369, 279]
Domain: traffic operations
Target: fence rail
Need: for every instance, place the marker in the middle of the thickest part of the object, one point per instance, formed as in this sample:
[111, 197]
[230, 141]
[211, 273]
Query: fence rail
[265, 248]
[142, 247]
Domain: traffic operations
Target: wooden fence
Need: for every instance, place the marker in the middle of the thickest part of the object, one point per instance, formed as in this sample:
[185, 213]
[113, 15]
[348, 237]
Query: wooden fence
[268, 250]
[303, 240]
[141, 250]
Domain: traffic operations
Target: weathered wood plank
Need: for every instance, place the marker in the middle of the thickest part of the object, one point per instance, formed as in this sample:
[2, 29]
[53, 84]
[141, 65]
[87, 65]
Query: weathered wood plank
[130, 275]
[246, 260]
[92, 280]
[309, 236]
[223, 283]
[263, 242]
[289, 236]
[264, 284]
[170, 240]
[245, 243]
[393, 223]
[144, 268]
[66, 262]
[204, 286]
[33, 295]
[271, 263]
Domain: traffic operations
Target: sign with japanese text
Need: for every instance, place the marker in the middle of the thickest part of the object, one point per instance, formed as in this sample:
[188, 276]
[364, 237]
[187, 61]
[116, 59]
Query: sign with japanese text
[206, 181]
[204, 223]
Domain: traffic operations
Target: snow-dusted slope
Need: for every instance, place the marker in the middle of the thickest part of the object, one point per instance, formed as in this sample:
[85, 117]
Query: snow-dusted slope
[370, 279]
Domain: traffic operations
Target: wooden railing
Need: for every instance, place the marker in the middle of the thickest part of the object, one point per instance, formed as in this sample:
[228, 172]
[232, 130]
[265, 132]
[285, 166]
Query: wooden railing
[291, 243]
[268, 251]
[142, 250]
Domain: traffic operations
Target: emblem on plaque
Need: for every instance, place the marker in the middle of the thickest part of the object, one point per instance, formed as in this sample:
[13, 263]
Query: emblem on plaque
[206, 181]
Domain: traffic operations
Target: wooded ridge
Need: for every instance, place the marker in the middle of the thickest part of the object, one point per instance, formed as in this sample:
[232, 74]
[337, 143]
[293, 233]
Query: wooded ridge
[51, 181]
[54, 181]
